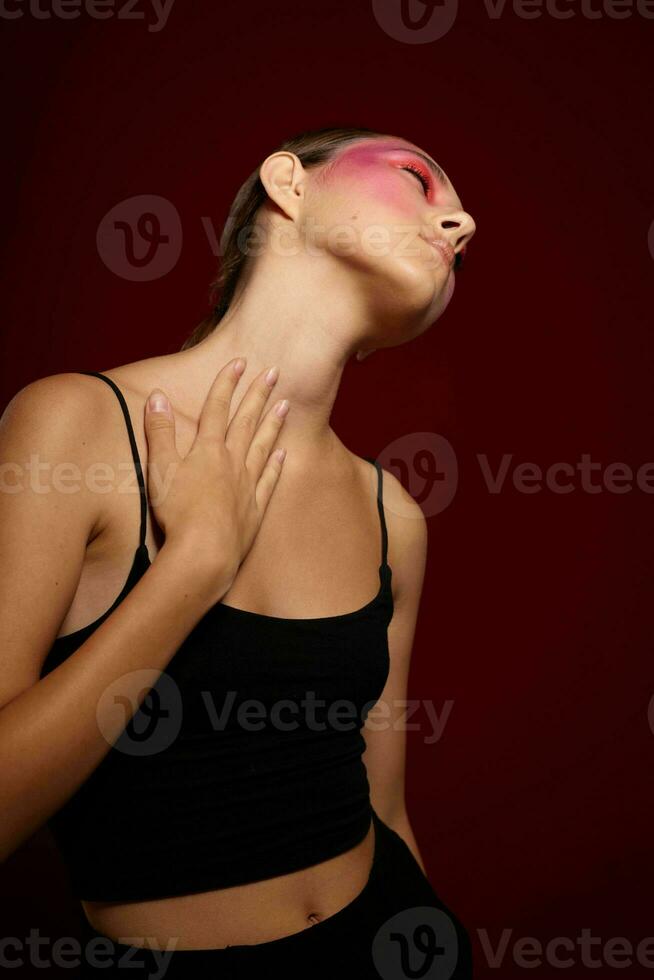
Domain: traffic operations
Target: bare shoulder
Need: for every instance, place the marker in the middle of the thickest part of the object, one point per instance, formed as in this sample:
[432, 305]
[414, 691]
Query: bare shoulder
[404, 518]
[60, 405]
[57, 426]
[407, 534]
[398, 499]
[136, 379]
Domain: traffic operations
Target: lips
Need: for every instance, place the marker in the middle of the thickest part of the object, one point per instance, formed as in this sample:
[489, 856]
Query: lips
[444, 248]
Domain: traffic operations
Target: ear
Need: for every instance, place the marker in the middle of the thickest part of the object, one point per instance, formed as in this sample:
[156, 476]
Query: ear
[284, 179]
[362, 354]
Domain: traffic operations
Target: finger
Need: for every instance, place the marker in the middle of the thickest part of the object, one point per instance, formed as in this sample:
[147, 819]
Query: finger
[268, 480]
[264, 439]
[215, 411]
[159, 426]
[246, 418]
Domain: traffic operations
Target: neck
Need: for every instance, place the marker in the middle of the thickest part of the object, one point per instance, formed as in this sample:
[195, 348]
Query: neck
[292, 326]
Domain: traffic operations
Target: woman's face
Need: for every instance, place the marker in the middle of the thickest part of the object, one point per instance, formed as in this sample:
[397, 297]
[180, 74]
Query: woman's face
[378, 206]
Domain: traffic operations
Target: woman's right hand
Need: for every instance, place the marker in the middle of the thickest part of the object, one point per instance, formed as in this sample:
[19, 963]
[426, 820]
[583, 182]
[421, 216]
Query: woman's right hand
[213, 500]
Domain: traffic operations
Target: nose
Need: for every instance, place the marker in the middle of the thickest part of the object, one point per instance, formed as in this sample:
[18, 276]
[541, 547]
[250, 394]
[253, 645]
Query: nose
[457, 227]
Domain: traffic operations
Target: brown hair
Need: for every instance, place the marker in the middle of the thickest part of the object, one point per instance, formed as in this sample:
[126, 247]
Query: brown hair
[312, 147]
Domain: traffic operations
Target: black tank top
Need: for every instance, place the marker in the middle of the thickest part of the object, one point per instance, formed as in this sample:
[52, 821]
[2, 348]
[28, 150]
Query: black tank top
[244, 761]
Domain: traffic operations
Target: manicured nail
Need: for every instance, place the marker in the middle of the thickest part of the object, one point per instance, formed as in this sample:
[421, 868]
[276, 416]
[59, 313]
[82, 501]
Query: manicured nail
[272, 376]
[282, 408]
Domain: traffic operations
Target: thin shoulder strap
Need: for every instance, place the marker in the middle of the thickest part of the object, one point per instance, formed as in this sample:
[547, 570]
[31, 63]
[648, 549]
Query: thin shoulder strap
[135, 452]
[380, 508]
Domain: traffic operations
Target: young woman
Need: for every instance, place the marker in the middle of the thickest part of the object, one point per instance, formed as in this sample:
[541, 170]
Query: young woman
[187, 711]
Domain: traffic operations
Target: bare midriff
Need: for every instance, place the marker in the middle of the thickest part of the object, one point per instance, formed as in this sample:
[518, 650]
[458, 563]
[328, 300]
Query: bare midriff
[256, 912]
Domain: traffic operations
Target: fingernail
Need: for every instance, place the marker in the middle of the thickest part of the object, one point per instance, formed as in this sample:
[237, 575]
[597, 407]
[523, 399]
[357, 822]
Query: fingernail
[157, 402]
[239, 366]
[272, 376]
[282, 408]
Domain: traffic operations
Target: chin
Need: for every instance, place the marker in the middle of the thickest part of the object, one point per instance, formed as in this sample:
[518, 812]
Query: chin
[429, 297]
[406, 298]
[419, 286]
[434, 311]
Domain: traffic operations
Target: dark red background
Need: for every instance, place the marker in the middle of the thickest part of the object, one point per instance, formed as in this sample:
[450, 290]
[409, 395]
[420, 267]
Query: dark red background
[533, 810]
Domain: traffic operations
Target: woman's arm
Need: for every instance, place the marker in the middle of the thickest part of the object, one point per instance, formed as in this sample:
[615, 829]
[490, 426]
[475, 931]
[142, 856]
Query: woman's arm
[385, 734]
[54, 731]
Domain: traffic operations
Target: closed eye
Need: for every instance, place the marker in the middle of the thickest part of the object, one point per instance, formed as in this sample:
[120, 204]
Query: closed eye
[424, 180]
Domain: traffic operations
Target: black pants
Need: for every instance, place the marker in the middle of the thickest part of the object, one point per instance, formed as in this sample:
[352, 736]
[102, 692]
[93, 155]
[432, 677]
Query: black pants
[395, 928]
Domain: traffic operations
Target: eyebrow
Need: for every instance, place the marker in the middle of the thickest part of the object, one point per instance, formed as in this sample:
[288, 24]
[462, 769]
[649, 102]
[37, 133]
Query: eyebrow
[435, 169]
